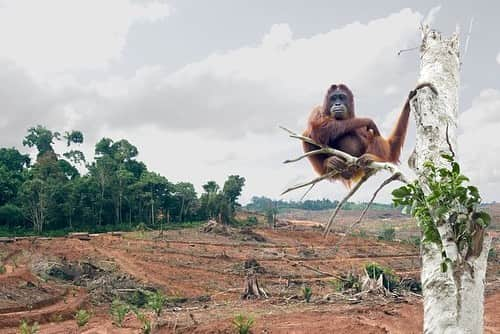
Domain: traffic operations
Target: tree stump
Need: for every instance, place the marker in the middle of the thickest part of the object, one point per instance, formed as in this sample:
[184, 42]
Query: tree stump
[252, 287]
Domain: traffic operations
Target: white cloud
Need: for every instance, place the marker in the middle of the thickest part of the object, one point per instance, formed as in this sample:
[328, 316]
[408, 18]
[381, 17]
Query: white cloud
[478, 145]
[498, 58]
[279, 37]
[252, 89]
[58, 35]
[23, 103]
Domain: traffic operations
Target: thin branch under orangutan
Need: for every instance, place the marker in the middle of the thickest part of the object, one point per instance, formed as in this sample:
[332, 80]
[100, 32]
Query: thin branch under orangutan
[312, 182]
[365, 177]
[368, 169]
[393, 177]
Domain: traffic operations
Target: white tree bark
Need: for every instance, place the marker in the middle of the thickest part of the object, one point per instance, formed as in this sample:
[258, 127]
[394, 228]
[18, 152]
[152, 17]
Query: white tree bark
[453, 300]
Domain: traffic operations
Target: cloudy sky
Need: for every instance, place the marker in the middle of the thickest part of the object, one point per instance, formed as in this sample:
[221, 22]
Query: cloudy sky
[200, 87]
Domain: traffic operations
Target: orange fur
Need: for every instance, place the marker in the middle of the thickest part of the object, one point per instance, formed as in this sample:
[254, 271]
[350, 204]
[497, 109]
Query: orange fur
[353, 135]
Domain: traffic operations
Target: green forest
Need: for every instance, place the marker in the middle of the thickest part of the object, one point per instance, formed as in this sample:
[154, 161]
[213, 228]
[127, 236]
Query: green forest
[51, 195]
[117, 191]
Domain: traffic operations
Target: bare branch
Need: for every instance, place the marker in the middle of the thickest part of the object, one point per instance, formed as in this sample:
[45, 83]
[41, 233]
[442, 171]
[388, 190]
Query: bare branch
[323, 150]
[393, 177]
[406, 50]
[307, 192]
[365, 177]
[312, 182]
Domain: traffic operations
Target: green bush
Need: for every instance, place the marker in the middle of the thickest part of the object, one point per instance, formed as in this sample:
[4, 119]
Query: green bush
[243, 323]
[252, 220]
[138, 298]
[156, 301]
[374, 270]
[349, 282]
[82, 317]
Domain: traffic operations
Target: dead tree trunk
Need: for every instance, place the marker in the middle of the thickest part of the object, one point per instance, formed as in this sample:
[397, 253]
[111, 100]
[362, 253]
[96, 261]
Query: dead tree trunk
[252, 287]
[453, 297]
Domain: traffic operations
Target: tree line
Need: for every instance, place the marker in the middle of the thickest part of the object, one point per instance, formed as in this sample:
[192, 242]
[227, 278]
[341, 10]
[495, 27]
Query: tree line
[116, 189]
[265, 204]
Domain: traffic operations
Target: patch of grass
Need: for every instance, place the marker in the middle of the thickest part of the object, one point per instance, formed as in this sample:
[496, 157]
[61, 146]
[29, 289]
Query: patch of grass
[25, 328]
[182, 225]
[243, 324]
[307, 293]
[337, 285]
[21, 231]
[146, 326]
[3, 270]
[56, 318]
[82, 317]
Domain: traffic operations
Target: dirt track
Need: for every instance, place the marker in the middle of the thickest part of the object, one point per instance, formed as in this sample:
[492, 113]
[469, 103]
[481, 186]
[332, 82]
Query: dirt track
[205, 270]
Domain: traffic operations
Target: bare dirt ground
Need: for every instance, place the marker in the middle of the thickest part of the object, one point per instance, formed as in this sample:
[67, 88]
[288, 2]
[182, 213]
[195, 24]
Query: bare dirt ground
[203, 275]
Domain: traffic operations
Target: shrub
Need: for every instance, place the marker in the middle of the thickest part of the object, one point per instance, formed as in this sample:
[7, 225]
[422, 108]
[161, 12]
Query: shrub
[374, 271]
[119, 310]
[138, 298]
[388, 234]
[243, 323]
[156, 301]
[350, 281]
[82, 317]
[252, 220]
[3, 270]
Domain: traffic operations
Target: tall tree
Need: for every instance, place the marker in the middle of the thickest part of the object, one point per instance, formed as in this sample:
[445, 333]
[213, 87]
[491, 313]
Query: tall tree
[41, 138]
[455, 244]
[232, 189]
[186, 198]
[157, 191]
[35, 197]
[209, 200]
